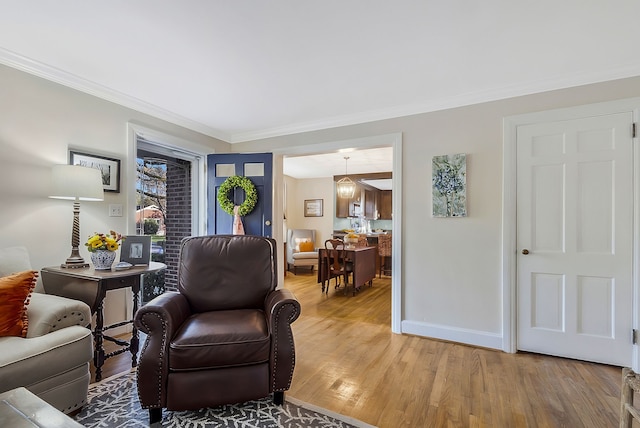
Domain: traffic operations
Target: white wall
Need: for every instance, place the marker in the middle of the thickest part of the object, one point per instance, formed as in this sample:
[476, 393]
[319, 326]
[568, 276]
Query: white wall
[451, 268]
[39, 122]
[310, 188]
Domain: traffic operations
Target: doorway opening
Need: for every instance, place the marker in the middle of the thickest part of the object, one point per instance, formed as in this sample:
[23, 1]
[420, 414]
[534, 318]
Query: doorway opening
[290, 213]
[164, 209]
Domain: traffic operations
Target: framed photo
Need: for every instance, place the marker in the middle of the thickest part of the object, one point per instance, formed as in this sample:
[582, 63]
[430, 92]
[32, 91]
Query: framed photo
[109, 168]
[313, 207]
[136, 249]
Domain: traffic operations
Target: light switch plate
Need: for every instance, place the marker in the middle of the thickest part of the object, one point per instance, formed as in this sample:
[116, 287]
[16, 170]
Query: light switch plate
[115, 210]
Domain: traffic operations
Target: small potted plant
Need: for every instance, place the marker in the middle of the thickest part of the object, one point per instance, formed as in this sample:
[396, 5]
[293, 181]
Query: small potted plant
[103, 249]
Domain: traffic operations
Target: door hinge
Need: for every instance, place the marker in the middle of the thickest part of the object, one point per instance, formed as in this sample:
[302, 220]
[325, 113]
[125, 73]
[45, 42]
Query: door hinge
[633, 130]
[634, 336]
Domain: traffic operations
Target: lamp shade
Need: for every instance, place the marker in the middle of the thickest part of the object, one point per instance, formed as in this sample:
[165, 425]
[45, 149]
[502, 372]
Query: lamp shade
[76, 182]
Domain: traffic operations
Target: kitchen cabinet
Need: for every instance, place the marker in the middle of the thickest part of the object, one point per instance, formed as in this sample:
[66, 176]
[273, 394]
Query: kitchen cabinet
[385, 204]
[350, 207]
[370, 203]
[342, 207]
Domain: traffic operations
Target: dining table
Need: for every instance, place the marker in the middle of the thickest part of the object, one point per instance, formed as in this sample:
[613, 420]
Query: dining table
[361, 262]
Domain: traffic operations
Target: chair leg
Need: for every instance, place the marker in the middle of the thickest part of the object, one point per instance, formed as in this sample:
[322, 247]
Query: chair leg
[630, 384]
[278, 398]
[155, 415]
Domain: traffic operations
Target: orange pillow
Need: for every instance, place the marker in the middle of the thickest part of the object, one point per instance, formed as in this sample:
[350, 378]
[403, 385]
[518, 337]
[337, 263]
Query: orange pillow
[307, 247]
[15, 291]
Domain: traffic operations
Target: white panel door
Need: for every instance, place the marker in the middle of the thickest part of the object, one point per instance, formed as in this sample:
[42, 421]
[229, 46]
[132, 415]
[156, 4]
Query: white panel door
[574, 237]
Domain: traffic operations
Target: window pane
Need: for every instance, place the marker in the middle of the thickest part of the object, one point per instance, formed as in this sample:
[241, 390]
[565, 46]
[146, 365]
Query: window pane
[225, 170]
[254, 169]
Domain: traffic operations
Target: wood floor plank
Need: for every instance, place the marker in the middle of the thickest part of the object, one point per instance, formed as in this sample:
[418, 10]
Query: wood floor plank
[348, 361]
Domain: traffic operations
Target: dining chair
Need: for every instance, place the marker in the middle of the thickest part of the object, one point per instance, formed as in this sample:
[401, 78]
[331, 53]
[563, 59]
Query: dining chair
[628, 410]
[334, 262]
[384, 251]
[362, 241]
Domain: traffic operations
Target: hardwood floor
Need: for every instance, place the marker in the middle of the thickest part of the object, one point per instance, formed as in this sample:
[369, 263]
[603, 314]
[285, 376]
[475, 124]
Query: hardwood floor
[348, 361]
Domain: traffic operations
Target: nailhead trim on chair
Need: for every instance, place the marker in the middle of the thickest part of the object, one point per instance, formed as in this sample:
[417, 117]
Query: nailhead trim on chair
[76, 313]
[146, 342]
[293, 353]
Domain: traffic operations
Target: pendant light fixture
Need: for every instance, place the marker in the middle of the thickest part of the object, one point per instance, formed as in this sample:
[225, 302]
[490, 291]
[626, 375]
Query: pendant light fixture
[345, 187]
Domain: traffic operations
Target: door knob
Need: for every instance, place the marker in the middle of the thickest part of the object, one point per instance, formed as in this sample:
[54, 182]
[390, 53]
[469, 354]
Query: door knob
[268, 222]
[525, 251]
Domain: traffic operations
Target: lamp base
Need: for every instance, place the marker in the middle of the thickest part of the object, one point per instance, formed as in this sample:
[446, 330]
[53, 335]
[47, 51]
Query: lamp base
[74, 261]
[75, 265]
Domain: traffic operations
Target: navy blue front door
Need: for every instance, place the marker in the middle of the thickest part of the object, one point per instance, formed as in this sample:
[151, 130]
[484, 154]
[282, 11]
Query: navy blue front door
[258, 167]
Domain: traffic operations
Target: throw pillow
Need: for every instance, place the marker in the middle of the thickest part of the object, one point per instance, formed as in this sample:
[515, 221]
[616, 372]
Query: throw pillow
[15, 291]
[306, 247]
[299, 241]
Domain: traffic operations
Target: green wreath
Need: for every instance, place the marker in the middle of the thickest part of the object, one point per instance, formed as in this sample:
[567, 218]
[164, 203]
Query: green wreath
[250, 193]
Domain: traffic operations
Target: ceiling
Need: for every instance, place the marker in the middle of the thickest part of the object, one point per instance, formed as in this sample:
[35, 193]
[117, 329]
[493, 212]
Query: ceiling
[244, 70]
[329, 164]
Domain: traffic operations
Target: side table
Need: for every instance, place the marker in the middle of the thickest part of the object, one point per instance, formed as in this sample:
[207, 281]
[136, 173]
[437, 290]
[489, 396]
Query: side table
[91, 286]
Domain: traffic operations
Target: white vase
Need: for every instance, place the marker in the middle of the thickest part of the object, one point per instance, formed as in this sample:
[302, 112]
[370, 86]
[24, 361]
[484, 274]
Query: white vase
[103, 259]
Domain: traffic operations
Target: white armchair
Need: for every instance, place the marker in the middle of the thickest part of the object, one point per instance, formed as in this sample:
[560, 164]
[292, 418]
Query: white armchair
[53, 360]
[297, 254]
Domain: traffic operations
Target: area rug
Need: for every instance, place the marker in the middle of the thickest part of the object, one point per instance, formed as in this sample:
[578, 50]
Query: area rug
[113, 403]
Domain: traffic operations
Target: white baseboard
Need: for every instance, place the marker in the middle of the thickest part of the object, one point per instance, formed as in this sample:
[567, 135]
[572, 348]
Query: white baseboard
[453, 334]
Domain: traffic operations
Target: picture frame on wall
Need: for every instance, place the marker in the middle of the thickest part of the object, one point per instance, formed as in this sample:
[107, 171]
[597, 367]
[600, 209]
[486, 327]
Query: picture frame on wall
[136, 249]
[449, 185]
[313, 207]
[108, 167]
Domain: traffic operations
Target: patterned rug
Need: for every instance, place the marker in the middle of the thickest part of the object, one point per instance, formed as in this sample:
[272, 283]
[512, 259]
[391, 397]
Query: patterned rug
[114, 403]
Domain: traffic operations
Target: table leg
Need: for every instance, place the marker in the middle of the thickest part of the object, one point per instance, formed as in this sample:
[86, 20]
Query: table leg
[98, 355]
[135, 337]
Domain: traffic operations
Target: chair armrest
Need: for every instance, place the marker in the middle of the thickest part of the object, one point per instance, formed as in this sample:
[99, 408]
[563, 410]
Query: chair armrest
[48, 313]
[160, 319]
[282, 308]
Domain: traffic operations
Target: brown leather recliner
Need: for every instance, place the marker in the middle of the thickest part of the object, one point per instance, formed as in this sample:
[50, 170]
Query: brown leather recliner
[225, 336]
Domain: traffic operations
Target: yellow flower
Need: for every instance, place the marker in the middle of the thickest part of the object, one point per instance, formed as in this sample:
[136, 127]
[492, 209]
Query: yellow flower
[111, 244]
[102, 241]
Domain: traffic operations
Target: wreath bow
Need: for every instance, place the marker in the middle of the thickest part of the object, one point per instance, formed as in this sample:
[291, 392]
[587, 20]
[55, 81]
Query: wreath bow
[250, 195]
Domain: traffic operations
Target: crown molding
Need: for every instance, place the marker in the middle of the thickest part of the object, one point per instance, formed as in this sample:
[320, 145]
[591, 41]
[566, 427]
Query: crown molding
[62, 77]
[56, 75]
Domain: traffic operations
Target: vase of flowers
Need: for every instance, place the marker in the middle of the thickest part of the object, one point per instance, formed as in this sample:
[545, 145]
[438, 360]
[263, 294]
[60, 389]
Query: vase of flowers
[351, 240]
[102, 248]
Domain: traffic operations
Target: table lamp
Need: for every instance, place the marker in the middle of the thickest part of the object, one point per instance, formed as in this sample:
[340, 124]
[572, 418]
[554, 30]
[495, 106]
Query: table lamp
[76, 183]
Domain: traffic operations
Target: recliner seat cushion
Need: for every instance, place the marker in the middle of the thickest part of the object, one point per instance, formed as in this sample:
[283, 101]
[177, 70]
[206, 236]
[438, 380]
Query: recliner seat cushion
[220, 339]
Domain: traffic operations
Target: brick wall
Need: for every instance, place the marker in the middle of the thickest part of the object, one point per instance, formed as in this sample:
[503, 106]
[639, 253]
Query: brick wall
[178, 217]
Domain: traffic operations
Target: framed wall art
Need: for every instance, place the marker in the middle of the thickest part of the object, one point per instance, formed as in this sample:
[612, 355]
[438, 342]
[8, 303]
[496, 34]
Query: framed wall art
[109, 168]
[313, 207]
[136, 249]
[449, 185]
